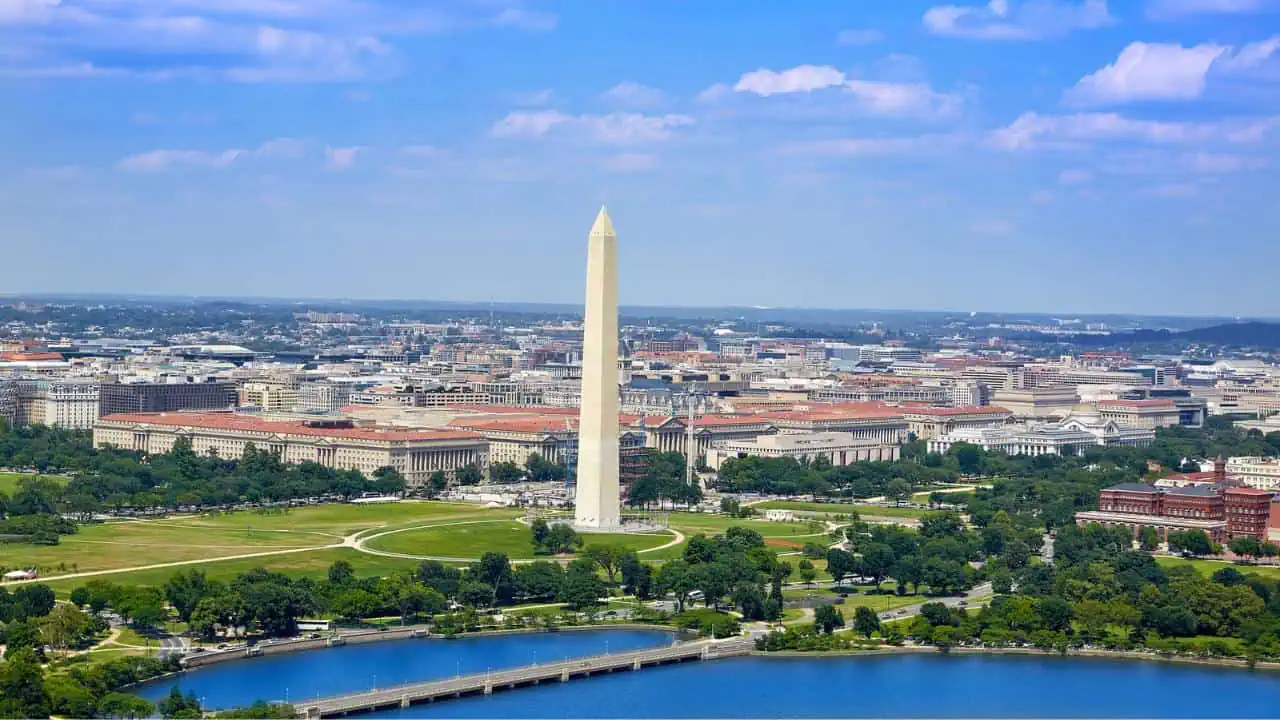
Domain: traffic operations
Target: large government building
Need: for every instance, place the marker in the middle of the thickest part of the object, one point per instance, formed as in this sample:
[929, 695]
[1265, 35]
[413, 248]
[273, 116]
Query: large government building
[333, 443]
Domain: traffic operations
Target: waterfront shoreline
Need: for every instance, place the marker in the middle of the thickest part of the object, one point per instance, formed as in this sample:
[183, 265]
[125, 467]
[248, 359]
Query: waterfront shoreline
[1229, 663]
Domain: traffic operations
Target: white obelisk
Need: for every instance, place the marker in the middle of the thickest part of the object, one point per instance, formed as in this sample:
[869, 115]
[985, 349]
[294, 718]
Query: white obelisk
[597, 502]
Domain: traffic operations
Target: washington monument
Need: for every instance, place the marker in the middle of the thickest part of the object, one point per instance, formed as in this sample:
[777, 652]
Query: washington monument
[597, 502]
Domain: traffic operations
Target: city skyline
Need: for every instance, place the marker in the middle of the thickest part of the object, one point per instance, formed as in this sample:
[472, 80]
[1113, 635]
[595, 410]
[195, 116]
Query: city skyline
[820, 157]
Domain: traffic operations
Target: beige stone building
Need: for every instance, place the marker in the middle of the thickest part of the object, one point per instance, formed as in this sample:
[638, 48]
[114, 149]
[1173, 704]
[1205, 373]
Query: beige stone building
[1141, 413]
[929, 423]
[836, 447]
[1037, 403]
[336, 444]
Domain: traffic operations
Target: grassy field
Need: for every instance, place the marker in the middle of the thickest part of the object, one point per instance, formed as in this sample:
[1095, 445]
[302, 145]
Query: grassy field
[708, 524]
[313, 564]
[923, 497]
[510, 537]
[9, 481]
[1209, 567]
[842, 508]
[130, 544]
[149, 542]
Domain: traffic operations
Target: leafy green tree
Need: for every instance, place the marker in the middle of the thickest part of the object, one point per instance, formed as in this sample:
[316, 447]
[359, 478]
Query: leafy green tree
[807, 571]
[32, 601]
[388, 481]
[840, 564]
[184, 590]
[341, 573]
[505, 473]
[608, 557]
[469, 474]
[1149, 538]
[80, 596]
[581, 587]
[827, 619]
[898, 490]
[261, 710]
[23, 635]
[866, 621]
[877, 562]
[437, 483]
[541, 470]
[125, 705]
[177, 705]
[22, 692]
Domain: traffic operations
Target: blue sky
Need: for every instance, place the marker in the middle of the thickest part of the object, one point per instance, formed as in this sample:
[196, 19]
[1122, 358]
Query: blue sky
[1036, 155]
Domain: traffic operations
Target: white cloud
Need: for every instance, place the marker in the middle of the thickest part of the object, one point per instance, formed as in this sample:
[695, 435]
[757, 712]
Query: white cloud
[632, 94]
[859, 37]
[1251, 56]
[802, 78]
[1220, 163]
[162, 160]
[1032, 130]
[342, 158]
[895, 99]
[1149, 72]
[1178, 9]
[1012, 20]
[613, 128]
[237, 40]
[1074, 177]
[1043, 197]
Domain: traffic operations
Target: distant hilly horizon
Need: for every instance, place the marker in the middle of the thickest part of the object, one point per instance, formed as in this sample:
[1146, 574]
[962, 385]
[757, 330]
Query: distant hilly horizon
[1117, 322]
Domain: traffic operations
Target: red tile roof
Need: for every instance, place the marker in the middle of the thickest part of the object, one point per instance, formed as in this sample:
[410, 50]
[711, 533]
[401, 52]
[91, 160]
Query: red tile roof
[243, 423]
[842, 411]
[970, 410]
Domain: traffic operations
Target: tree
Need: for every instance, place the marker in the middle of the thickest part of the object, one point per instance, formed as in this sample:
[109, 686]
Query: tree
[341, 573]
[898, 490]
[505, 473]
[23, 635]
[32, 601]
[866, 621]
[877, 562]
[637, 577]
[1245, 547]
[840, 564]
[581, 587]
[936, 613]
[827, 619]
[22, 693]
[125, 705]
[355, 604]
[388, 481]
[184, 590]
[66, 627]
[469, 474]
[968, 458]
[1149, 538]
[437, 483]
[80, 596]
[1195, 542]
[177, 705]
[807, 572]
[541, 470]
[674, 577]
[608, 557]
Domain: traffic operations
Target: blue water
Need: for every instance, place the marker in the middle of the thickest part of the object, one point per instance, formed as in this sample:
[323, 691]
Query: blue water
[1001, 686]
[334, 671]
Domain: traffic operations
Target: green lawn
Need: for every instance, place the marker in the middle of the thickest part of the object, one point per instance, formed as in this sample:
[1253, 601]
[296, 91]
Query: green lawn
[711, 524]
[510, 537]
[313, 564]
[1209, 567]
[842, 508]
[923, 497]
[9, 481]
[130, 544]
[345, 519]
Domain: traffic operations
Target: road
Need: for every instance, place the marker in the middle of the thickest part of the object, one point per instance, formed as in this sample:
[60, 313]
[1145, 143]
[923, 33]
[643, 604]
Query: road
[976, 597]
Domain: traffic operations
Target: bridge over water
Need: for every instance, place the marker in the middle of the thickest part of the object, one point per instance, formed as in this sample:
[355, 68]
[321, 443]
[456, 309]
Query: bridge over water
[490, 682]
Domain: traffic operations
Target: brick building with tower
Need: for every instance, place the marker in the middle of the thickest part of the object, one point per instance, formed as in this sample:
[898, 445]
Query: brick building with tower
[1220, 509]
